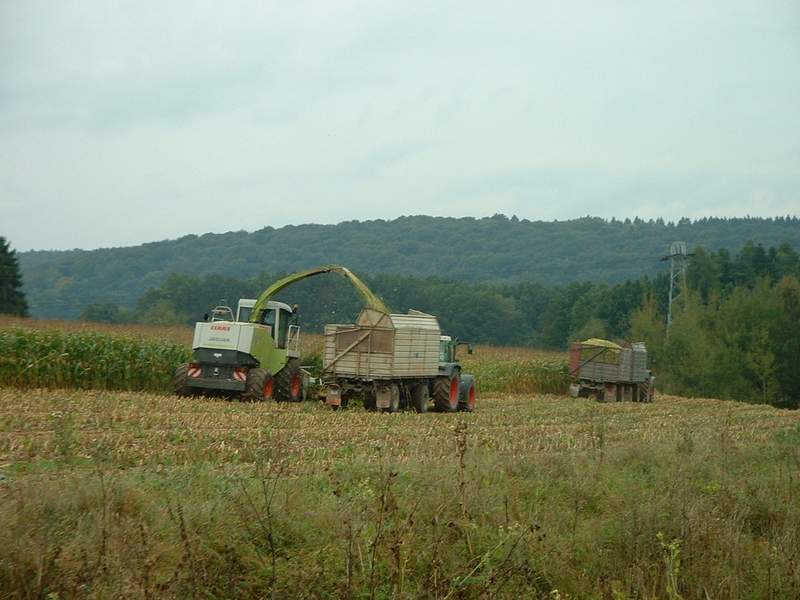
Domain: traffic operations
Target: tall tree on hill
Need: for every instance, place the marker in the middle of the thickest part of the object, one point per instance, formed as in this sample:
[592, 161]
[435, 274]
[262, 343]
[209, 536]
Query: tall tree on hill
[12, 299]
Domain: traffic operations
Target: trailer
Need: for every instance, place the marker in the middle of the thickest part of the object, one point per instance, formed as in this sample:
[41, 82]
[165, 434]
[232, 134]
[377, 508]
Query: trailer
[394, 361]
[610, 372]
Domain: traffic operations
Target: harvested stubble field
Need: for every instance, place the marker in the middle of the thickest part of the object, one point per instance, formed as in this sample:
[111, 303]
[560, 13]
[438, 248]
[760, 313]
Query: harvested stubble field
[135, 495]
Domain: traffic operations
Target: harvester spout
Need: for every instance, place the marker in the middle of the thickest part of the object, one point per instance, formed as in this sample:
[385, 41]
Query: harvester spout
[371, 300]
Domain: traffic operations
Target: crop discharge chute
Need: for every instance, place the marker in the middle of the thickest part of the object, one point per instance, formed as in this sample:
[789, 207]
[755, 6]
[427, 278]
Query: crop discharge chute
[371, 300]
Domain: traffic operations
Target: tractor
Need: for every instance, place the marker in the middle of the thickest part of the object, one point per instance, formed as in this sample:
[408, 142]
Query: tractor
[450, 380]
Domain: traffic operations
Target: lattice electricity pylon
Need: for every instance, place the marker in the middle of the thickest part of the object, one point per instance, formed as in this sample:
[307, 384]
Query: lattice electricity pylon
[678, 258]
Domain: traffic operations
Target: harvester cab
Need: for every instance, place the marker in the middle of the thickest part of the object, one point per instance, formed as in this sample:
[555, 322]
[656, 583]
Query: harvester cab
[280, 317]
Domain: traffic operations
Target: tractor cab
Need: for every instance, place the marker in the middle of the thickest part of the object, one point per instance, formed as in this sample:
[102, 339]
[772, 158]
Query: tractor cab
[447, 349]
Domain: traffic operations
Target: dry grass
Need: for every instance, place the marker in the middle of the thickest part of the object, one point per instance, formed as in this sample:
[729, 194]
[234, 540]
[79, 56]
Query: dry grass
[114, 494]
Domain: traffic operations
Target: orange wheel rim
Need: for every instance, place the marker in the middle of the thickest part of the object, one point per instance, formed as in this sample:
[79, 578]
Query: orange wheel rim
[268, 389]
[296, 386]
[454, 392]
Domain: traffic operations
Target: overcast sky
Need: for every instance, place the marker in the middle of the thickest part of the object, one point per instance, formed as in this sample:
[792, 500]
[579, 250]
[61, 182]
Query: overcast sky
[127, 122]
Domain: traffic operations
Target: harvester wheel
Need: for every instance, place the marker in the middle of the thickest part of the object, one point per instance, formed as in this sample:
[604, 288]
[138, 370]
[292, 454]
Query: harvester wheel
[466, 394]
[260, 386]
[289, 382]
[445, 393]
[420, 398]
[180, 381]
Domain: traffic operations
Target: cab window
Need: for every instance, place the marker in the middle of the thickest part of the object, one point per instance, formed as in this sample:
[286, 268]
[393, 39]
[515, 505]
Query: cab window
[269, 318]
[283, 328]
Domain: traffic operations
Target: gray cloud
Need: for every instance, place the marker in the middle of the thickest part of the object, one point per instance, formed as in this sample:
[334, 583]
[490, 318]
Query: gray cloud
[127, 122]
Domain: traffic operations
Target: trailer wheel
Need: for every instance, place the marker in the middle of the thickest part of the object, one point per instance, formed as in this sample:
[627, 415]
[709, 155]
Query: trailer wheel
[466, 394]
[369, 401]
[260, 386]
[180, 381]
[289, 382]
[345, 400]
[445, 393]
[394, 399]
[420, 398]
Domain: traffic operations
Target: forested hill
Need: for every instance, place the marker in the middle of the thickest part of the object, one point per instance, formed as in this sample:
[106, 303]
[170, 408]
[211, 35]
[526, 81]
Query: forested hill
[496, 249]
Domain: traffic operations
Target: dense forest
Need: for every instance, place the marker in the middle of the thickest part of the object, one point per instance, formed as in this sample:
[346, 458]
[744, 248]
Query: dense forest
[497, 250]
[736, 331]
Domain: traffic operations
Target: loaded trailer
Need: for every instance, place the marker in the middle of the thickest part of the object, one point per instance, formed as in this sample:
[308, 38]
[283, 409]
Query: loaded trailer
[394, 361]
[610, 372]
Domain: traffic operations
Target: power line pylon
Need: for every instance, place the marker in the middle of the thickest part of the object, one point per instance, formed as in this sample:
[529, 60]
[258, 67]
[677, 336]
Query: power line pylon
[678, 258]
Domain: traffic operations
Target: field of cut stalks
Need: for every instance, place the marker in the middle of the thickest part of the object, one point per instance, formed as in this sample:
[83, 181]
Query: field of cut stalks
[135, 495]
[119, 494]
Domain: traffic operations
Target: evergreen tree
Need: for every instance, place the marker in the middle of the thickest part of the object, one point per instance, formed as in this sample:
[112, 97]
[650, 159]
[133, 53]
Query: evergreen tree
[12, 299]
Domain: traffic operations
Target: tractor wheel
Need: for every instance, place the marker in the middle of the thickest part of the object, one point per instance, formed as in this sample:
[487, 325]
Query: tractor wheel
[466, 394]
[420, 398]
[260, 386]
[445, 393]
[289, 382]
[180, 381]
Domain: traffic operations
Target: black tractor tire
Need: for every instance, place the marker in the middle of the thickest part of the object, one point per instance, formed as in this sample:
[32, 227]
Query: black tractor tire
[466, 393]
[180, 381]
[289, 382]
[260, 386]
[420, 398]
[445, 393]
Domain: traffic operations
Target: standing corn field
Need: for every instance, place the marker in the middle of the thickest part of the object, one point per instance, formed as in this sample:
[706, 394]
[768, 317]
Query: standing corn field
[35, 358]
